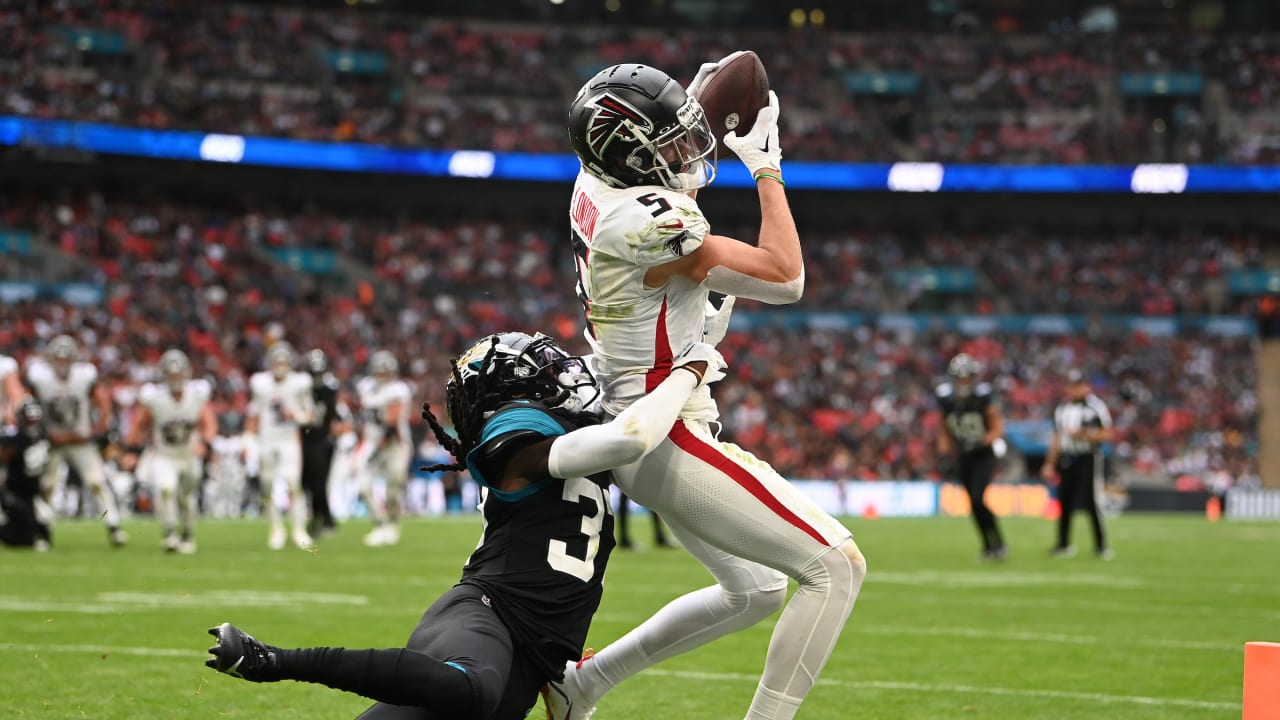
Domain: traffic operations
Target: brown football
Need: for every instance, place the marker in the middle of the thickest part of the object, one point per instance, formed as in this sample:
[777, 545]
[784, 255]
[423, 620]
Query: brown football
[733, 95]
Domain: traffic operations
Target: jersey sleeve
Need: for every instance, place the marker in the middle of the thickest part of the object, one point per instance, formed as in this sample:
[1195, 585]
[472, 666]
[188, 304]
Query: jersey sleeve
[943, 395]
[655, 228]
[8, 366]
[203, 390]
[38, 372]
[504, 434]
[985, 396]
[256, 394]
[147, 397]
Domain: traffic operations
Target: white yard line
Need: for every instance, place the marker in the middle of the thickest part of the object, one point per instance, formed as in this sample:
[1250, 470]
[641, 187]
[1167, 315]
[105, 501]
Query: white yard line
[38, 648]
[1063, 638]
[970, 690]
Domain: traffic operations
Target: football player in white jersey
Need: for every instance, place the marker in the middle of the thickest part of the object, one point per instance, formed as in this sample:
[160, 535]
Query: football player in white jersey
[278, 407]
[68, 391]
[386, 447]
[177, 414]
[11, 391]
[647, 264]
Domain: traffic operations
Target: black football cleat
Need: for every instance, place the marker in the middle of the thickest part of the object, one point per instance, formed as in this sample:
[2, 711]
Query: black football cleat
[239, 654]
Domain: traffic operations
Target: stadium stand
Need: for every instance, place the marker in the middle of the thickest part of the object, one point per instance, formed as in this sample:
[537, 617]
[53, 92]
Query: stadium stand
[383, 77]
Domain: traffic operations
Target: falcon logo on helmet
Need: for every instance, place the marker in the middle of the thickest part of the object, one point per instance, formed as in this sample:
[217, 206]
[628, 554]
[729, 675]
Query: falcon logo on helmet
[615, 120]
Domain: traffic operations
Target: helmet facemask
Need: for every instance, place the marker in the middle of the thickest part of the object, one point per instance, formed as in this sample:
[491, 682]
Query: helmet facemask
[682, 156]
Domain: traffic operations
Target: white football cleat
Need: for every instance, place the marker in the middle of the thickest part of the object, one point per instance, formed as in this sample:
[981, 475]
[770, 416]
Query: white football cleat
[565, 700]
[187, 547]
[276, 539]
[171, 542]
[303, 540]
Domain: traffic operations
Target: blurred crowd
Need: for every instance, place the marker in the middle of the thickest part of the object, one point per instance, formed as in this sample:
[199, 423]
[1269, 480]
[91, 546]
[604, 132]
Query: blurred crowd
[817, 403]
[374, 76]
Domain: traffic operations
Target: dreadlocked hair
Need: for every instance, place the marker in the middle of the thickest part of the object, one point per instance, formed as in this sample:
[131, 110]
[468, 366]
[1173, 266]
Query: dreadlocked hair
[470, 403]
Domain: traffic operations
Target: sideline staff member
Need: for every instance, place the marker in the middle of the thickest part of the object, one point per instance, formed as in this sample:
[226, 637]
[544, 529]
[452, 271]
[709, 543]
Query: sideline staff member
[1081, 424]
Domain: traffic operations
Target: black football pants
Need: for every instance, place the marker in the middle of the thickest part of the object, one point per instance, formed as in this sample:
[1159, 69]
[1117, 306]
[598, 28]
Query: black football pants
[1078, 488]
[976, 469]
[459, 664]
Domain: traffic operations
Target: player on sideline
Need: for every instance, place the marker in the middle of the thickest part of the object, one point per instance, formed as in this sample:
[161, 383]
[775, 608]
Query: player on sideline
[279, 406]
[522, 408]
[68, 391]
[387, 447]
[647, 263]
[177, 414]
[973, 430]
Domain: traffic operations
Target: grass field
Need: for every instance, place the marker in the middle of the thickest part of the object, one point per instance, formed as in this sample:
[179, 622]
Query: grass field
[88, 632]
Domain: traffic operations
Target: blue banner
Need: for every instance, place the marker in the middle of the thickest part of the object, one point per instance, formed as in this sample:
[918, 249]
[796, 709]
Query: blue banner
[74, 293]
[1254, 282]
[316, 261]
[893, 177]
[902, 82]
[980, 325]
[15, 242]
[1172, 83]
[356, 62]
[937, 279]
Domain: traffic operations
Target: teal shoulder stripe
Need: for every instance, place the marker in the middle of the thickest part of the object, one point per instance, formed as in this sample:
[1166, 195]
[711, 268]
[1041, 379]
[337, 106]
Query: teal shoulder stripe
[521, 418]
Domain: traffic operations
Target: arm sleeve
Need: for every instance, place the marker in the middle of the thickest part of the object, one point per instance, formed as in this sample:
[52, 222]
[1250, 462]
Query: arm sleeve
[626, 438]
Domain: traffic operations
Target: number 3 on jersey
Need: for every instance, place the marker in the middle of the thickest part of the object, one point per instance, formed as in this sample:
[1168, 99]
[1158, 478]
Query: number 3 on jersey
[558, 556]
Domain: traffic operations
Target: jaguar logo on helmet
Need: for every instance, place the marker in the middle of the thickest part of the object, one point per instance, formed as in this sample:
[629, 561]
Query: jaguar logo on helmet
[615, 119]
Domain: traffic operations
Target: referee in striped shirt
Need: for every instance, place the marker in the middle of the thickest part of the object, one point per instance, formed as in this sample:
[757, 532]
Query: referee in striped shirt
[1081, 424]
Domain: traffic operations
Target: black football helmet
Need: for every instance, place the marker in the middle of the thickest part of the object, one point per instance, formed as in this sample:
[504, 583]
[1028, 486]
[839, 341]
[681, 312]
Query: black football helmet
[30, 416]
[515, 366]
[634, 125]
[316, 362]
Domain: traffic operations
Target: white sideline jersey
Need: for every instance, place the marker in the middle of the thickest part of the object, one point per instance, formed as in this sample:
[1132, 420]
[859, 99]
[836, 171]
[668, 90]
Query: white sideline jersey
[634, 330]
[174, 419]
[65, 401]
[375, 398]
[281, 406]
[8, 366]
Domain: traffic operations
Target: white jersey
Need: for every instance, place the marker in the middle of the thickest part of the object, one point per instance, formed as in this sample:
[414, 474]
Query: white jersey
[281, 406]
[65, 401]
[175, 419]
[635, 331]
[8, 366]
[375, 398]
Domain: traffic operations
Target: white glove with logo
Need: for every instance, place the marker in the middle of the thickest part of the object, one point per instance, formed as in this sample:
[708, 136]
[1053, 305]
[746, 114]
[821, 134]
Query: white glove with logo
[715, 322]
[702, 352]
[759, 149]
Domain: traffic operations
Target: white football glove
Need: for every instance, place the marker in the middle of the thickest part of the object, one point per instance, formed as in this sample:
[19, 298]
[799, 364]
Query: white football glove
[759, 149]
[704, 73]
[708, 69]
[702, 352]
[715, 323]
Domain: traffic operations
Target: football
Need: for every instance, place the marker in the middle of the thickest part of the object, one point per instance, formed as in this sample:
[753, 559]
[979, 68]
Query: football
[733, 94]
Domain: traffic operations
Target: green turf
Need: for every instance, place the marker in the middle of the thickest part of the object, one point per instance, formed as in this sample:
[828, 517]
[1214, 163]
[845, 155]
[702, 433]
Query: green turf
[91, 632]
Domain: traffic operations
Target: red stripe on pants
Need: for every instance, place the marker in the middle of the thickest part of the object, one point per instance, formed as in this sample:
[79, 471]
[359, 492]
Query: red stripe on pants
[690, 443]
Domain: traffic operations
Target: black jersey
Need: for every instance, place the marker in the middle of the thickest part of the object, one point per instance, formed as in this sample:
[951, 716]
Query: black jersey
[966, 417]
[324, 398]
[542, 556]
[27, 454]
